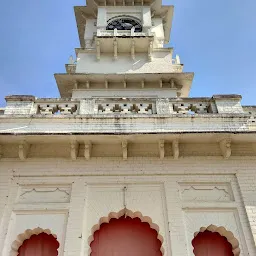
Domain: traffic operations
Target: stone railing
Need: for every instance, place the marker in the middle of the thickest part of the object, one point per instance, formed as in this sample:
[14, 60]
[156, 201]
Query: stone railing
[121, 33]
[193, 106]
[57, 108]
[127, 107]
[218, 104]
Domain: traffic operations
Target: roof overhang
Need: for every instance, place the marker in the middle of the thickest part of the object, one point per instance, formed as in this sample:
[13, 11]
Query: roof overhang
[66, 82]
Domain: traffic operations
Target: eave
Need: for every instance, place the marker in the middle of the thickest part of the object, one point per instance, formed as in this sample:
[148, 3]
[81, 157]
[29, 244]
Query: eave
[66, 82]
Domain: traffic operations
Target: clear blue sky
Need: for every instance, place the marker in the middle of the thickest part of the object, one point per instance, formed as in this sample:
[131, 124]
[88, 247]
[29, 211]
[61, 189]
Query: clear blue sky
[215, 39]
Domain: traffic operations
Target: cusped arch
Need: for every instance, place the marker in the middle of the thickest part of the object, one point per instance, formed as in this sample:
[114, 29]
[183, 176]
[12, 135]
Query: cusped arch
[131, 214]
[225, 233]
[26, 235]
[124, 22]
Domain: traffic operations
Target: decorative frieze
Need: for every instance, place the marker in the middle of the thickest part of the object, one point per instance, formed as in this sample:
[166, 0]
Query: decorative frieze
[204, 192]
[44, 194]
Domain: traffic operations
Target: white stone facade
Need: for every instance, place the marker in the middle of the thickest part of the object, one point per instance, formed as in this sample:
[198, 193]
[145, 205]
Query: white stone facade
[124, 138]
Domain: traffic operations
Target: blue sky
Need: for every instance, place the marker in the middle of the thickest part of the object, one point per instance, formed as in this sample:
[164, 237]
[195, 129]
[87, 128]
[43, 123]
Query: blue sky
[215, 39]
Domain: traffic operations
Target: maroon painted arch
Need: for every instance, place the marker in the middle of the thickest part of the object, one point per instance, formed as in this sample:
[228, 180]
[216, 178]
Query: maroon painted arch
[39, 245]
[125, 237]
[209, 243]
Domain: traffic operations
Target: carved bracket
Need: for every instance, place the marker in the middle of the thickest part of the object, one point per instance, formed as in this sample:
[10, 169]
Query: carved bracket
[87, 150]
[74, 150]
[225, 147]
[125, 149]
[23, 150]
[175, 149]
[161, 149]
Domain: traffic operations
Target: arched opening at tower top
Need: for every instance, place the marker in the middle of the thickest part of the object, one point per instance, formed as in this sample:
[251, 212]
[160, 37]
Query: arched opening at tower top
[124, 237]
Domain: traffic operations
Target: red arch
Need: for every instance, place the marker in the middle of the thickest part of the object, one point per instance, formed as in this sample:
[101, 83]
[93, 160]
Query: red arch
[39, 245]
[210, 243]
[125, 236]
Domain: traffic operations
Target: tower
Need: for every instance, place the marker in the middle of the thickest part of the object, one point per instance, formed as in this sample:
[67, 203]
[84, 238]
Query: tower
[122, 54]
[125, 162]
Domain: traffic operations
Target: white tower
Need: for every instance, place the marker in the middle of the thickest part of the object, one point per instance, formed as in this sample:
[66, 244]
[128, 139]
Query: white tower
[122, 53]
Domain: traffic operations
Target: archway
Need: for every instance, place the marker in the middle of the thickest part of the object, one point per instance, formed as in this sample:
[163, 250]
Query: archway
[41, 245]
[125, 236]
[215, 240]
[211, 244]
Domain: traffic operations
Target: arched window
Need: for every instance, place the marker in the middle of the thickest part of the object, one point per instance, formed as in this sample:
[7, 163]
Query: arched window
[125, 236]
[39, 245]
[209, 243]
[124, 23]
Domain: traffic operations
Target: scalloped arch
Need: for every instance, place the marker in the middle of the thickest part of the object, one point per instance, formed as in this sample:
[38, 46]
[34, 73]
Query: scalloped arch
[129, 213]
[223, 232]
[26, 235]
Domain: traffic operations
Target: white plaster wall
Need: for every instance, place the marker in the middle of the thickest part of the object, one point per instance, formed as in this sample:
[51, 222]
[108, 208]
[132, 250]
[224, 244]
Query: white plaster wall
[20, 222]
[96, 186]
[162, 63]
[158, 31]
[144, 93]
[90, 28]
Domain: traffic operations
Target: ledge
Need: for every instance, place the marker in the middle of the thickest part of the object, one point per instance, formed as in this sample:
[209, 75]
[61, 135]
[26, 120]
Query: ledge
[227, 96]
[20, 98]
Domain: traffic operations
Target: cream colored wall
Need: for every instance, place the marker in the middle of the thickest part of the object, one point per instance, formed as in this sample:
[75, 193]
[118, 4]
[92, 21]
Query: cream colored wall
[90, 29]
[180, 196]
[162, 63]
[144, 93]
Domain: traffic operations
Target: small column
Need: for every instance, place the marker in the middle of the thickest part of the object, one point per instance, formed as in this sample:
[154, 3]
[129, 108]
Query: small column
[133, 50]
[150, 50]
[98, 50]
[115, 49]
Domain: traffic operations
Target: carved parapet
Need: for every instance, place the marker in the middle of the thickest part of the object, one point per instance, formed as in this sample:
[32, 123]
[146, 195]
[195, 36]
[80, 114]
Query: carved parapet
[58, 107]
[225, 147]
[126, 107]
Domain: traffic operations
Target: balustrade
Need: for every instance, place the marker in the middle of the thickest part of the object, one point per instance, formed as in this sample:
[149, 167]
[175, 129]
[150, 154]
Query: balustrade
[192, 108]
[126, 108]
[69, 108]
